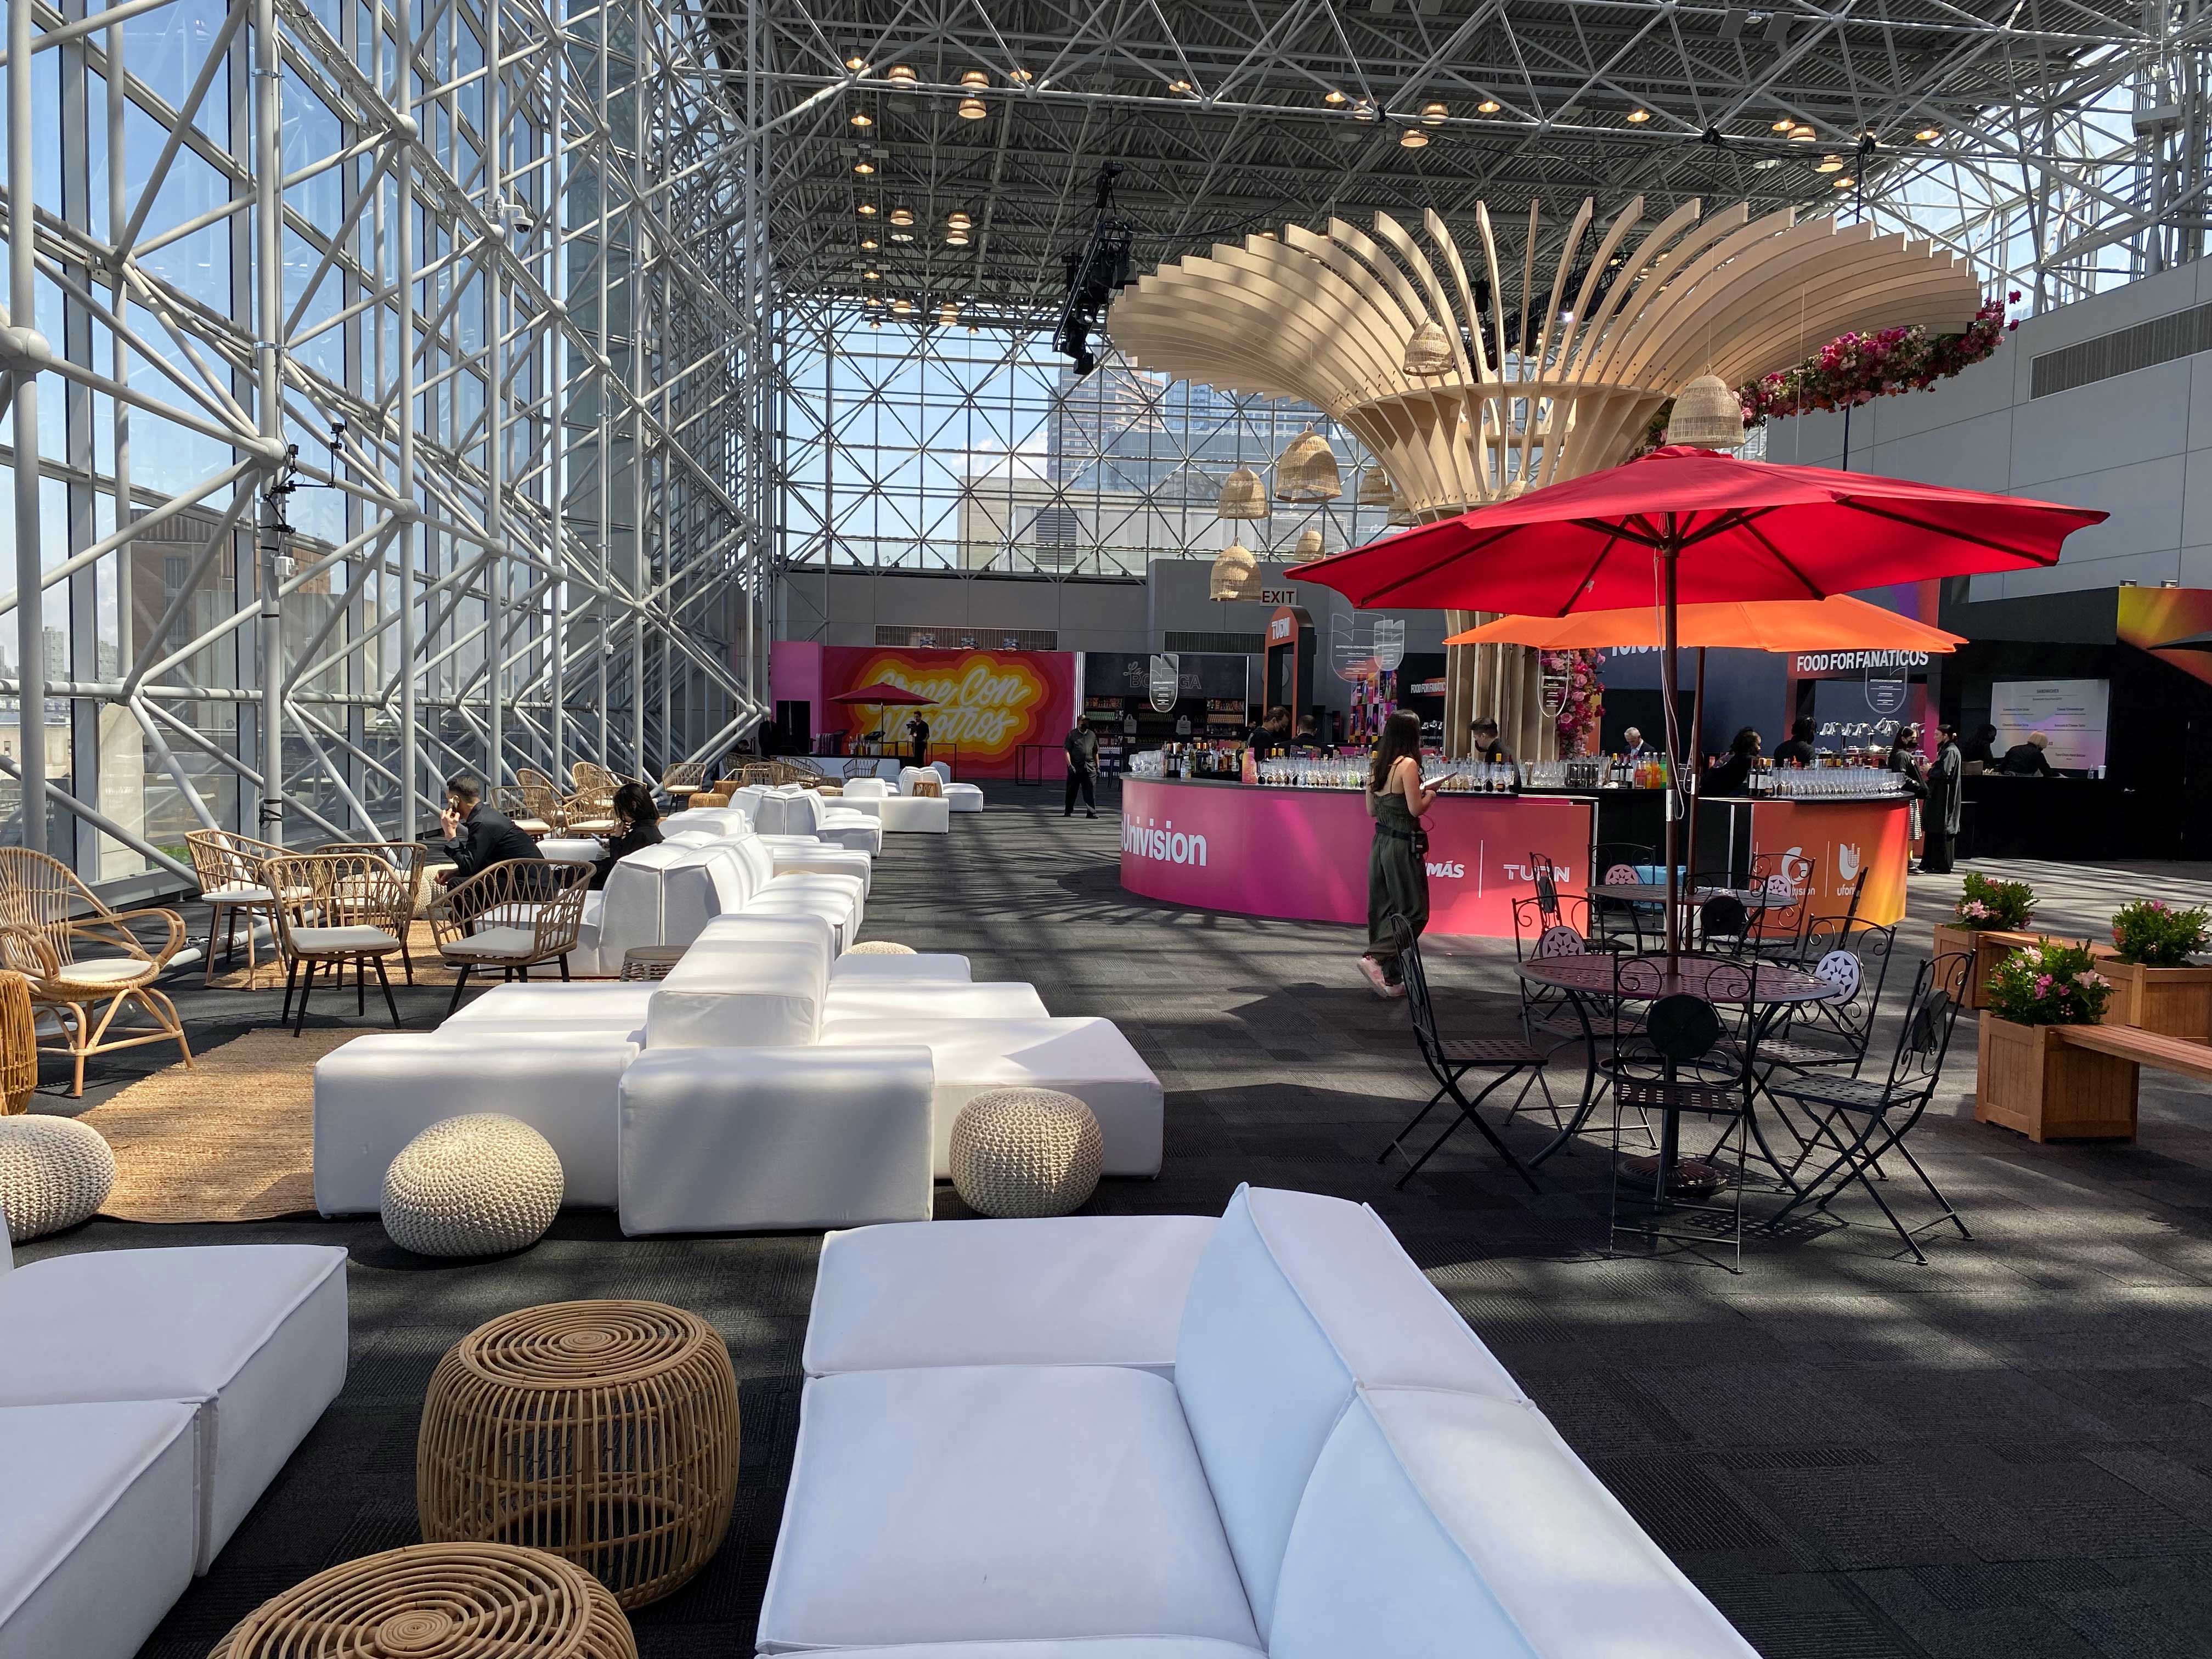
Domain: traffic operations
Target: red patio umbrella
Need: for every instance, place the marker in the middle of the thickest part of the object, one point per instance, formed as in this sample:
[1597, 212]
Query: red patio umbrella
[1685, 525]
[882, 694]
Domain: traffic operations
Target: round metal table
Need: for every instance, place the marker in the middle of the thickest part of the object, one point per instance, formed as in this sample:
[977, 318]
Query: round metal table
[1655, 892]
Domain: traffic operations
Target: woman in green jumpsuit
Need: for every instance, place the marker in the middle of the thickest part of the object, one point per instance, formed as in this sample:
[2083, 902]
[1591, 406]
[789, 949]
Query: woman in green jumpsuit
[1397, 875]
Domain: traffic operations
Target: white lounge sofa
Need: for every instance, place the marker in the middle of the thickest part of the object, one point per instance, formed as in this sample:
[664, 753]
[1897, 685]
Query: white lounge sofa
[791, 810]
[959, 797]
[147, 1399]
[900, 814]
[666, 894]
[1169, 1438]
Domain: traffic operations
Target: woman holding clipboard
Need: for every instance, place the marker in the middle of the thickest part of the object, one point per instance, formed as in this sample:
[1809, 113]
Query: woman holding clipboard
[1397, 872]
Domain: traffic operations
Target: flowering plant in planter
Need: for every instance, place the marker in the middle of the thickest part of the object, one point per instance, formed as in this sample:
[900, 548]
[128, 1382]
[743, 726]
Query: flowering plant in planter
[2005, 905]
[2049, 983]
[2154, 935]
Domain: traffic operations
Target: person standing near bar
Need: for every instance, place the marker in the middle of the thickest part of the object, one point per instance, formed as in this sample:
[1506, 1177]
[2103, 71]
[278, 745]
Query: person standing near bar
[1397, 871]
[1797, 749]
[1487, 748]
[917, 733]
[1944, 796]
[1082, 747]
[1979, 753]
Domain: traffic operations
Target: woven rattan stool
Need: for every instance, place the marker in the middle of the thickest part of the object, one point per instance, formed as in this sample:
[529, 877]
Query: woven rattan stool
[1025, 1152]
[880, 947]
[605, 1432]
[651, 960]
[438, 1601]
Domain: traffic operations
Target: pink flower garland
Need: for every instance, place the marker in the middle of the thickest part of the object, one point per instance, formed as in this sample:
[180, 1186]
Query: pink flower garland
[1585, 695]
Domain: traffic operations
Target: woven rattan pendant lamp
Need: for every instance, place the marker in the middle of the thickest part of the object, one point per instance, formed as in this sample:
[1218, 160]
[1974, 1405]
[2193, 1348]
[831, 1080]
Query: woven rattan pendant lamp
[1428, 351]
[1374, 489]
[1401, 512]
[1236, 574]
[1309, 546]
[1708, 414]
[1306, 472]
[1243, 497]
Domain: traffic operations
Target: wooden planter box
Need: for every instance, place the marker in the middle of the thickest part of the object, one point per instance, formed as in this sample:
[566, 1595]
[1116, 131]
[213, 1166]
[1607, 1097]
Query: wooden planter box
[2174, 1002]
[1987, 948]
[2048, 1090]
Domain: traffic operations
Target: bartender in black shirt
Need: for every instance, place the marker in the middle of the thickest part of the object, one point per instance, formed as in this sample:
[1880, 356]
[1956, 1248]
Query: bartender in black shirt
[1733, 775]
[1486, 745]
[1798, 749]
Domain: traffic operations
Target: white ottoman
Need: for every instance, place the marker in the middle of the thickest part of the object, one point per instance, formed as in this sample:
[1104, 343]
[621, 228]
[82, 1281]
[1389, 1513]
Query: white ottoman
[1025, 1152]
[482, 1184]
[54, 1173]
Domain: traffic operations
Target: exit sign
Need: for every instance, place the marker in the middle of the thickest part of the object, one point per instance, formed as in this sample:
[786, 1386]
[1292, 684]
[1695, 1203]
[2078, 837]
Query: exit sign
[1279, 596]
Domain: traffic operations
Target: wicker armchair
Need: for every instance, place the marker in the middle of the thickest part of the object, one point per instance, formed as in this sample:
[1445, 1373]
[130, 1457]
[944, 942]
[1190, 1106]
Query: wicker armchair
[590, 778]
[19, 1045]
[411, 859]
[530, 777]
[228, 866]
[516, 802]
[78, 956]
[512, 916]
[685, 779]
[337, 908]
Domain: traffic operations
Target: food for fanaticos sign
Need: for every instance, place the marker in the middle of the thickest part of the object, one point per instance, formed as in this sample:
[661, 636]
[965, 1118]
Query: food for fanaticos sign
[985, 704]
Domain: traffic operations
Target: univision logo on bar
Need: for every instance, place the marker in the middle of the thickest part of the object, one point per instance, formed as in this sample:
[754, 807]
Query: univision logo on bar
[1164, 843]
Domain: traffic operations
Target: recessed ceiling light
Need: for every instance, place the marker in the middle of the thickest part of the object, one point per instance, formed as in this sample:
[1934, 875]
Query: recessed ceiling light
[1433, 115]
[971, 109]
[1639, 115]
[1487, 107]
[1413, 138]
[1332, 96]
[901, 75]
[861, 119]
[902, 215]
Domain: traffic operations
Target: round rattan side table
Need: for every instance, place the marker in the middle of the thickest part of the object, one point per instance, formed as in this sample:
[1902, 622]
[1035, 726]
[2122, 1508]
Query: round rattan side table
[604, 1433]
[438, 1601]
[651, 960]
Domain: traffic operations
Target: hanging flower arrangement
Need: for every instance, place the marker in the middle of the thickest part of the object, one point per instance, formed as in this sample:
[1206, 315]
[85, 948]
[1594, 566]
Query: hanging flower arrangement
[1584, 698]
[1857, 368]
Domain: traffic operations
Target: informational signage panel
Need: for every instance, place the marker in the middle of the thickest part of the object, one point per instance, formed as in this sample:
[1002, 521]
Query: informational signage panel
[2071, 712]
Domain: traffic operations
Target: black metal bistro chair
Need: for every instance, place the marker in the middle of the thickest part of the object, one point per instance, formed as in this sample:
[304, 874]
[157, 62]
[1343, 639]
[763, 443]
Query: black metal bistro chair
[1449, 1059]
[1833, 1035]
[1863, 1122]
[1687, 1062]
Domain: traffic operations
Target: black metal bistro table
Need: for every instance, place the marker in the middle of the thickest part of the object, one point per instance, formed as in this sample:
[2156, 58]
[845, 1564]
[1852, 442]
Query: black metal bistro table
[1721, 981]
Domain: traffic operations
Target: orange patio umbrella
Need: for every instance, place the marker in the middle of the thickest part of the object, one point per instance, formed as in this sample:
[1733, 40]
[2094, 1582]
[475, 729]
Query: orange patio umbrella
[1838, 622]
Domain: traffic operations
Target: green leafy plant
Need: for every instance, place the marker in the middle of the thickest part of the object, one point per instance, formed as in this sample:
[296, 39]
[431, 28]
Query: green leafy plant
[2049, 983]
[2003, 905]
[2154, 935]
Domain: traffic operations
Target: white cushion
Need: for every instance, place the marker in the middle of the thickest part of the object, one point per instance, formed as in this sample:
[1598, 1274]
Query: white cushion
[600, 1006]
[1004, 1503]
[491, 943]
[747, 1139]
[97, 1525]
[922, 965]
[1440, 1524]
[252, 1336]
[964, 798]
[748, 993]
[107, 970]
[889, 1000]
[717, 821]
[378, 1092]
[864, 789]
[1088, 1058]
[747, 927]
[1085, 1290]
[237, 893]
[1104, 1647]
[1298, 1298]
[690, 838]
[906, 814]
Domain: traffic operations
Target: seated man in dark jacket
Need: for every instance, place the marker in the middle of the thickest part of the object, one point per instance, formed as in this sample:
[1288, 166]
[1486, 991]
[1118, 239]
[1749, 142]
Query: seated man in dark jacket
[479, 836]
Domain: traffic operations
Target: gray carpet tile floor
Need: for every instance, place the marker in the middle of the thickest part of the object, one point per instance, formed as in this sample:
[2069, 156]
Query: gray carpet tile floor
[2006, 1452]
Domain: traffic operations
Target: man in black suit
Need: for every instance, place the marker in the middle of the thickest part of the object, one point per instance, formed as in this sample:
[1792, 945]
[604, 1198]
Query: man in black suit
[479, 836]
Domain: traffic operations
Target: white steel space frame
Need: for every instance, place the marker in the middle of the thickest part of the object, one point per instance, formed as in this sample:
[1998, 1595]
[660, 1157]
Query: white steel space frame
[549, 279]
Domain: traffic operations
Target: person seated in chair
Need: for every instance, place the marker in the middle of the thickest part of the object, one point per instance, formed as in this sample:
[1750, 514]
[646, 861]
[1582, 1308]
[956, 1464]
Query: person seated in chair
[477, 836]
[637, 824]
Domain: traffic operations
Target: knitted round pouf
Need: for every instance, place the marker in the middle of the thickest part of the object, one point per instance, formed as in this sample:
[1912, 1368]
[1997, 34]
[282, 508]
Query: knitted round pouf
[54, 1173]
[478, 1185]
[880, 947]
[1025, 1152]
[438, 1601]
[604, 1431]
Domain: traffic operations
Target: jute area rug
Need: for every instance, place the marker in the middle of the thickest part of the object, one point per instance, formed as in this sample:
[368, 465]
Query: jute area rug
[231, 1139]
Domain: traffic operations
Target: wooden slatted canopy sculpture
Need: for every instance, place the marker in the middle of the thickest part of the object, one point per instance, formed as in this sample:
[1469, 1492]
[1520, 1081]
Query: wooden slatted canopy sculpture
[1558, 373]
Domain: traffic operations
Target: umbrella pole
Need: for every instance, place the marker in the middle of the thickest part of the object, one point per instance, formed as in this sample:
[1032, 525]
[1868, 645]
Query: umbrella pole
[1667, 554]
[1695, 774]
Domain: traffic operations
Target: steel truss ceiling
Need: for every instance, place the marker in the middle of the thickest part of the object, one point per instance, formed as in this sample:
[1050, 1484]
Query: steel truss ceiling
[493, 272]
